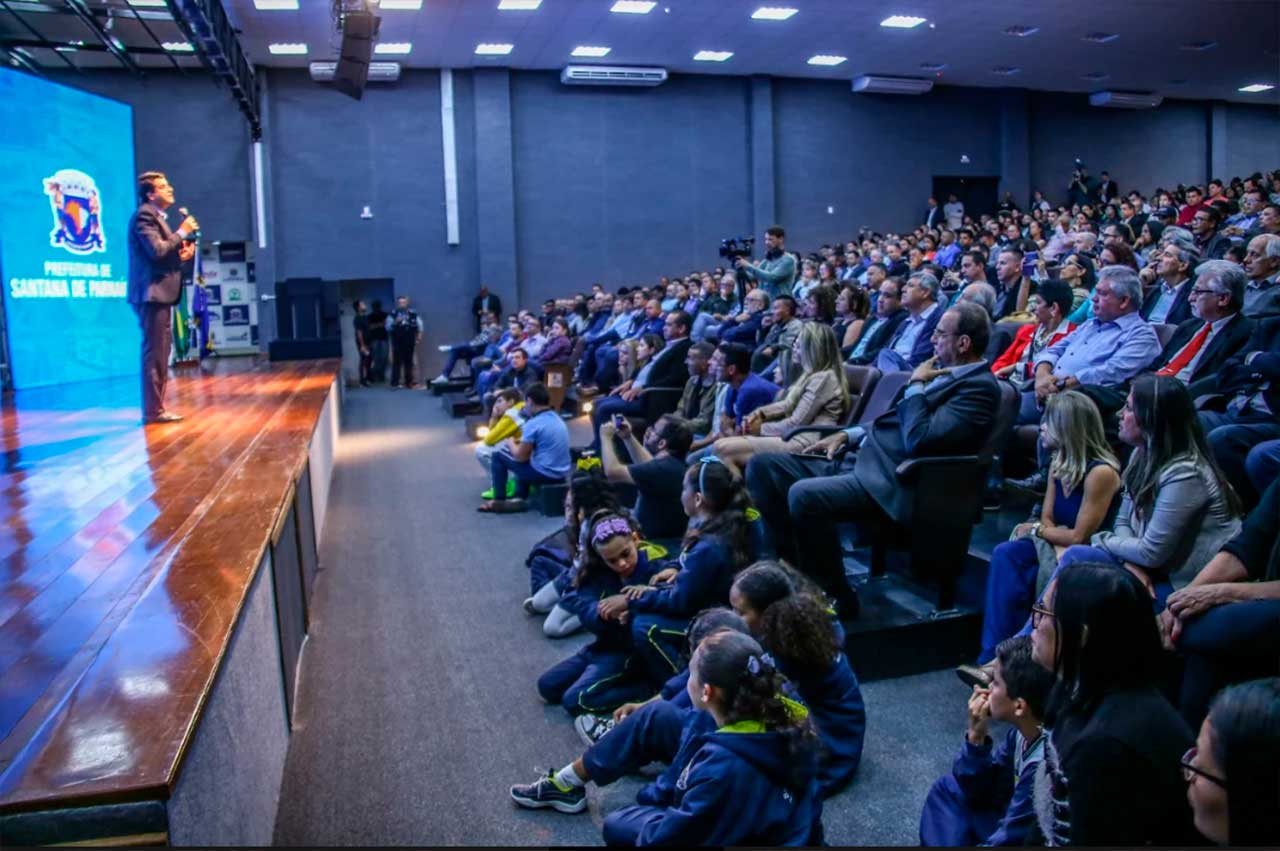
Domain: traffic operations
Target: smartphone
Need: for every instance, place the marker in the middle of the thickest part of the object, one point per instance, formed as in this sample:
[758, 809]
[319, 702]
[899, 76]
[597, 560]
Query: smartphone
[617, 421]
[1029, 263]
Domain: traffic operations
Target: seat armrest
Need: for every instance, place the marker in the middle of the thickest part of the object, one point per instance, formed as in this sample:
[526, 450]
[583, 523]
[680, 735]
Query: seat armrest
[823, 430]
[913, 468]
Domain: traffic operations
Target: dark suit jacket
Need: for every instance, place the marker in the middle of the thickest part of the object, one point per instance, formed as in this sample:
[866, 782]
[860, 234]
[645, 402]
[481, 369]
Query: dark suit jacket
[923, 349]
[1108, 191]
[933, 217]
[1236, 376]
[1136, 221]
[954, 419]
[1181, 310]
[881, 335]
[1007, 301]
[1224, 344]
[155, 268]
[477, 306]
[670, 370]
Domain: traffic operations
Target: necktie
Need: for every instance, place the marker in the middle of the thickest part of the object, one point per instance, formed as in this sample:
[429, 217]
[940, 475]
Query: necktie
[1188, 353]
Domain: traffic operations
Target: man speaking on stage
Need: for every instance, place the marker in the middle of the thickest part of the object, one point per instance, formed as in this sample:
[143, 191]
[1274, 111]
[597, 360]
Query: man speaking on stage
[156, 255]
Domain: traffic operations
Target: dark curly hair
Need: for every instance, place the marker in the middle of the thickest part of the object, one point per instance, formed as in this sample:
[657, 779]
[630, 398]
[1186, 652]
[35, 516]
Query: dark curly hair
[751, 690]
[591, 564]
[795, 617]
[710, 621]
[589, 492]
[725, 496]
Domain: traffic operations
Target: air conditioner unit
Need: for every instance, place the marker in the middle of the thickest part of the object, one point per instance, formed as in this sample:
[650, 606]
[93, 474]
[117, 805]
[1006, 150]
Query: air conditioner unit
[891, 85]
[612, 75]
[379, 72]
[1126, 100]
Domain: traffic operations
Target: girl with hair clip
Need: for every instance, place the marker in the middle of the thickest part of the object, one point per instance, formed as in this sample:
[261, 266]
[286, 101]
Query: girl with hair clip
[753, 779]
[664, 728]
[602, 675]
[793, 621]
[716, 547]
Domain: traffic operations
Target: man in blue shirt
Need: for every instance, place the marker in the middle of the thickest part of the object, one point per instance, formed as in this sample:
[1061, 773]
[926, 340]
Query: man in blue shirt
[1108, 350]
[540, 456]
[910, 345]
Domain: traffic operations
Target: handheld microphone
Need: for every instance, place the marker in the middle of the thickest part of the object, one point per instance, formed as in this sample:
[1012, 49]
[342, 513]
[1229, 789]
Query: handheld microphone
[191, 237]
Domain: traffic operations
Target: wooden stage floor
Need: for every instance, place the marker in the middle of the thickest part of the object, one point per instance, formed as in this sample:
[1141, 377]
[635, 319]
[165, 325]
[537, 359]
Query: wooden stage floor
[125, 556]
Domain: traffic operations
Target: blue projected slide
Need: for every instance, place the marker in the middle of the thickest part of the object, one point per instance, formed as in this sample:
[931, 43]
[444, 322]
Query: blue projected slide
[66, 195]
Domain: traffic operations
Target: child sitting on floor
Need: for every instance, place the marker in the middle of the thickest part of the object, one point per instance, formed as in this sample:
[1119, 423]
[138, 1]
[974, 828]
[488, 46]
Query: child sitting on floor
[988, 798]
[503, 423]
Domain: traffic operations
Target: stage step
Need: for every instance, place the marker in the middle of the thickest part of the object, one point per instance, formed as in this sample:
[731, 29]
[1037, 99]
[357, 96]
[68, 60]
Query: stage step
[458, 405]
[455, 385]
[898, 633]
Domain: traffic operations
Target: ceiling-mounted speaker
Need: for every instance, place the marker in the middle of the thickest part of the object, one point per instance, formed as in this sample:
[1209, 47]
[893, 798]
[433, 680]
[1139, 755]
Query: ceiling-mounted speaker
[359, 29]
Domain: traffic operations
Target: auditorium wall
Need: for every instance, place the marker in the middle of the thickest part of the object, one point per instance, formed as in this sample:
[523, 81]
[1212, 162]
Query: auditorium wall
[561, 186]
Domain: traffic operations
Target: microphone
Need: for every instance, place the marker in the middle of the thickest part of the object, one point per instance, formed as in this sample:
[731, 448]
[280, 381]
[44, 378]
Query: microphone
[191, 237]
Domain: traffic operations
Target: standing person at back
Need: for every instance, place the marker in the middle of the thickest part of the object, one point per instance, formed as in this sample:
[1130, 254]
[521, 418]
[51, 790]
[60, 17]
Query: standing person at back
[156, 255]
[377, 340]
[406, 334]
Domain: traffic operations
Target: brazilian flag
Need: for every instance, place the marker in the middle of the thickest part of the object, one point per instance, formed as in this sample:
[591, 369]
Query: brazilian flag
[181, 326]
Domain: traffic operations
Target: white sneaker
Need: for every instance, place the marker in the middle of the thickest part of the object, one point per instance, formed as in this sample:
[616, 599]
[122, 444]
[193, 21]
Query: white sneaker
[443, 348]
[592, 728]
[527, 605]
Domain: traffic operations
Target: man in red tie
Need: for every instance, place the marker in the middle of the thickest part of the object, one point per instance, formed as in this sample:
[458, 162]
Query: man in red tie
[1200, 345]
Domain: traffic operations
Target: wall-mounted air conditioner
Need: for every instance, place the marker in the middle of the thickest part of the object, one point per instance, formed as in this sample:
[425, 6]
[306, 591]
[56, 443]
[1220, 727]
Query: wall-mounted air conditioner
[1126, 100]
[612, 75]
[379, 72]
[891, 85]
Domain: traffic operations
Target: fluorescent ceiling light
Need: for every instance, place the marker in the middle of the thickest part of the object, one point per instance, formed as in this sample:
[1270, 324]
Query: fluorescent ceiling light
[591, 52]
[494, 49]
[275, 5]
[712, 55]
[826, 59]
[406, 5]
[519, 5]
[904, 22]
[151, 3]
[393, 48]
[1256, 87]
[178, 46]
[773, 13]
[633, 7]
[288, 49]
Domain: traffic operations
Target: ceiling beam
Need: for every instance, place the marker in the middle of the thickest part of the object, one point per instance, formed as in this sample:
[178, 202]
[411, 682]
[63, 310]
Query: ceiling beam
[21, 60]
[29, 43]
[82, 11]
[29, 28]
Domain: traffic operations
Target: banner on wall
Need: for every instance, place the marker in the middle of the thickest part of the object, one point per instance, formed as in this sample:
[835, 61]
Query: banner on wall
[229, 298]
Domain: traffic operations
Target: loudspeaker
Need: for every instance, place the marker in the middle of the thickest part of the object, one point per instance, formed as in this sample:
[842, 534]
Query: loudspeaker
[358, 31]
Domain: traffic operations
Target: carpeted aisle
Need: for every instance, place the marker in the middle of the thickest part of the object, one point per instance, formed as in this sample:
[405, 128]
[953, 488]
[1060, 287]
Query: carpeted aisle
[416, 706]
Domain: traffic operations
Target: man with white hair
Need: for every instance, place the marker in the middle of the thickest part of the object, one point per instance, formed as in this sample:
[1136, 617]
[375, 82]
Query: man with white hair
[1168, 300]
[1201, 345]
[1262, 265]
[1108, 350]
[980, 293]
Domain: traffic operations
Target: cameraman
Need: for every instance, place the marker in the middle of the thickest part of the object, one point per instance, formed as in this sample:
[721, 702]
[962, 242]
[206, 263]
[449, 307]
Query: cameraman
[777, 271]
[1081, 190]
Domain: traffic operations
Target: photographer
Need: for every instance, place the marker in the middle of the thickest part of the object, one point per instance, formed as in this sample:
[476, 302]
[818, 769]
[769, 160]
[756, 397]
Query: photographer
[777, 271]
[1081, 189]
[656, 468]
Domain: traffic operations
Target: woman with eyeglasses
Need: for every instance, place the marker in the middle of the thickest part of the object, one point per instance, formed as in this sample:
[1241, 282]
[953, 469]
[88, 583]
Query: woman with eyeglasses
[1111, 768]
[1232, 774]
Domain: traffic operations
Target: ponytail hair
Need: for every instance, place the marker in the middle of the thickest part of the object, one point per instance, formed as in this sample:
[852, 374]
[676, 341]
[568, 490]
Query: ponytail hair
[795, 617]
[603, 527]
[726, 499]
[589, 492]
[710, 621]
[751, 690]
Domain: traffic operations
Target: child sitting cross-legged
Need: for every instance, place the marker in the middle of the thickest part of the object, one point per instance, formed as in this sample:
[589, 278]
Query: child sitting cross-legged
[988, 798]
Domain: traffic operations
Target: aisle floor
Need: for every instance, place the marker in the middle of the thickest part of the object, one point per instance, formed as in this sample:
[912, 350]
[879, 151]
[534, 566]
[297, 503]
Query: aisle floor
[416, 705]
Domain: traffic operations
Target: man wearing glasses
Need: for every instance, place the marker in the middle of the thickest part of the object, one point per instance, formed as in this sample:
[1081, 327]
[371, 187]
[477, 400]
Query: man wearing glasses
[1262, 265]
[1200, 346]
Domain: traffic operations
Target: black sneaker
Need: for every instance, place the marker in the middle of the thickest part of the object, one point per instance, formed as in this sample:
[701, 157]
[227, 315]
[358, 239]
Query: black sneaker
[591, 728]
[546, 792]
[975, 675]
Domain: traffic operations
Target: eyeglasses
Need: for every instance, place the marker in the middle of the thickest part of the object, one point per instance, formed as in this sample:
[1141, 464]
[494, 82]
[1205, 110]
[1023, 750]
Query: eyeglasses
[1039, 613]
[1190, 772]
[1197, 291]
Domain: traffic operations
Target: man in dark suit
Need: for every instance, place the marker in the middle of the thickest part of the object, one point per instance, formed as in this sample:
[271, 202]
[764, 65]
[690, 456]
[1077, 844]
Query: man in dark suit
[1167, 301]
[485, 302]
[156, 255]
[910, 344]
[1107, 189]
[1200, 346]
[933, 215]
[668, 368]
[947, 408]
[879, 329]
[1132, 217]
[1243, 422]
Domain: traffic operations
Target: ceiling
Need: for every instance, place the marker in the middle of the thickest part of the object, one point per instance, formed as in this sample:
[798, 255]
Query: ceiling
[966, 36]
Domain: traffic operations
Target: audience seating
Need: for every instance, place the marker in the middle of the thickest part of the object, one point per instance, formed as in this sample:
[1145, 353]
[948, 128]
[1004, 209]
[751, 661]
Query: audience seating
[862, 381]
[1164, 332]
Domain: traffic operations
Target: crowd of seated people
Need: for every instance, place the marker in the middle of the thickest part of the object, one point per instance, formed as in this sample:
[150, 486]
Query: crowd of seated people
[1138, 603]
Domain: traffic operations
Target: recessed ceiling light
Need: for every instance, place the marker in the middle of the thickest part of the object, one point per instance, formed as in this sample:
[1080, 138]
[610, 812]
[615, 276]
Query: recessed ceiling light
[275, 5]
[1100, 38]
[904, 22]
[519, 5]
[932, 66]
[494, 49]
[1021, 32]
[1198, 45]
[773, 13]
[1095, 76]
[1256, 87]
[178, 46]
[591, 52]
[633, 7]
[406, 5]
[288, 49]
[712, 55]
[827, 59]
[1006, 70]
[393, 48]
[143, 3]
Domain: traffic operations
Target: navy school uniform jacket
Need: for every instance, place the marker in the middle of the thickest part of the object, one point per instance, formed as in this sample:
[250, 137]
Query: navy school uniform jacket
[839, 716]
[741, 787]
[706, 574]
[583, 601]
[1001, 779]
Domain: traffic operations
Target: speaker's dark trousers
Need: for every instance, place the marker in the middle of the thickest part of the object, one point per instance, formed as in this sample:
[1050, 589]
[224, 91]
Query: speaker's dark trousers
[156, 321]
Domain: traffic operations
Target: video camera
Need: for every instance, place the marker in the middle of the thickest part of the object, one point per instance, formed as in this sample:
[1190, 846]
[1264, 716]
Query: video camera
[734, 247]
